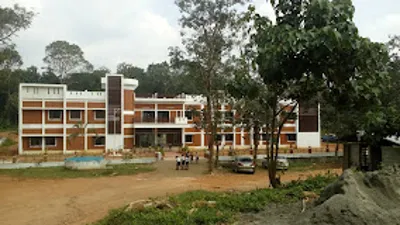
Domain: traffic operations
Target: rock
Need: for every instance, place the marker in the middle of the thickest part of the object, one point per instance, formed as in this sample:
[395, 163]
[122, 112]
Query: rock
[191, 211]
[203, 203]
[137, 205]
[212, 204]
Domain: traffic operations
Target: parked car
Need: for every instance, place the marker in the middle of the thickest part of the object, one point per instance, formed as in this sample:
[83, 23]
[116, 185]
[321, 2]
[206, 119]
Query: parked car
[282, 163]
[243, 164]
[329, 138]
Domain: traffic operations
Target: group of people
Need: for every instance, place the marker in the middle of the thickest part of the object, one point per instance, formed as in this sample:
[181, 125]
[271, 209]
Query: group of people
[182, 162]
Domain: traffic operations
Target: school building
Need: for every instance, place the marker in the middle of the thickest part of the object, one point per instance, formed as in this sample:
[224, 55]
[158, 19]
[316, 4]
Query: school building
[52, 118]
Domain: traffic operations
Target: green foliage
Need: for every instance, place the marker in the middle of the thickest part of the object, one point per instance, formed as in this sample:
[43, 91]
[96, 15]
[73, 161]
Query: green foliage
[62, 172]
[8, 142]
[63, 58]
[228, 205]
[13, 20]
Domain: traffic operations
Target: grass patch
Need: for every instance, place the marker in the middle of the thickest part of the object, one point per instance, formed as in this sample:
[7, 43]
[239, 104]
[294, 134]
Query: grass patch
[228, 205]
[61, 172]
[8, 142]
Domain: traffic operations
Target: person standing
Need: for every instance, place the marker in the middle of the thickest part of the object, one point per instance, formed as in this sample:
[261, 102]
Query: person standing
[197, 157]
[187, 162]
[178, 162]
[183, 160]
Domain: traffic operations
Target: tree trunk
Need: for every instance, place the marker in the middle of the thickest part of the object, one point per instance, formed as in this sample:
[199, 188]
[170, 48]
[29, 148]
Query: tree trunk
[211, 134]
[256, 141]
[217, 156]
[271, 160]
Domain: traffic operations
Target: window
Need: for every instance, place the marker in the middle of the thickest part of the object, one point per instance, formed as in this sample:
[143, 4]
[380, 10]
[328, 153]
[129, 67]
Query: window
[55, 114]
[228, 137]
[50, 141]
[75, 115]
[189, 138]
[99, 141]
[189, 115]
[99, 115]
[228, 115]
[265, 137]
[291, 137]
[35, 142]
[219, 137]
[148, 116]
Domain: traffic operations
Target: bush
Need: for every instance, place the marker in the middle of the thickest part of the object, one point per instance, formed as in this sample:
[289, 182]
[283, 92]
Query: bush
[227, 205]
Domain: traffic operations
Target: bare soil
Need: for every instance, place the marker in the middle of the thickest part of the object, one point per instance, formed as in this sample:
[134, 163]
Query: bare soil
[85, 200]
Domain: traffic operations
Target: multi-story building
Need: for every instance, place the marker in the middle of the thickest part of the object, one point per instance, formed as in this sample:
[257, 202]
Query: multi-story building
[51, 118]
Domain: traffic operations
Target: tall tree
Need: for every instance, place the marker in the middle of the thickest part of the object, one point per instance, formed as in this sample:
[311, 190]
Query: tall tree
[63, 58]
[313, 46]
[209, 29]
[13, 20]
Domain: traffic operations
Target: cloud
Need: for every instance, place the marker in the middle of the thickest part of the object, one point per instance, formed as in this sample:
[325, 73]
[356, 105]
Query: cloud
[140, 31]
[109, 32]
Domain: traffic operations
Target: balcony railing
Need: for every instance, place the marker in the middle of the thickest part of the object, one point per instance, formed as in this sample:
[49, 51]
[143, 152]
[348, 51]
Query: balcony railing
[173, 120]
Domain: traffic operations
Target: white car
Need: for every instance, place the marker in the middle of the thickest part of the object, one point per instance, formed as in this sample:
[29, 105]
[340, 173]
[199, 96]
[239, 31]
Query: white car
[281, 163]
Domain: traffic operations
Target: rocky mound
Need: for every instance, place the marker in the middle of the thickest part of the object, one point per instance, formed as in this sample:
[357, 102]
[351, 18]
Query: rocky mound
[358, 198]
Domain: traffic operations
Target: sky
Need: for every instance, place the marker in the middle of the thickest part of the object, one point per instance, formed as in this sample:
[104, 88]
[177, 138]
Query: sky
[140, 31]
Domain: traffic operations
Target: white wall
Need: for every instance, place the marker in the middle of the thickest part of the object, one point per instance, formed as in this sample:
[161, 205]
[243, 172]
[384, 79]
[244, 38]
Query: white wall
[114, 141]
[305, 139]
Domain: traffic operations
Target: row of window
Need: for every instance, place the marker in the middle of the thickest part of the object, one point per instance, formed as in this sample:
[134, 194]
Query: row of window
[52, 141]
[188, 114]
[229, 137]
[76, 114]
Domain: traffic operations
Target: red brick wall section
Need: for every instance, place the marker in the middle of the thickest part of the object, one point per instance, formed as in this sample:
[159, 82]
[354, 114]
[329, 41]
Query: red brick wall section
[32, 117]
[128, 143]
[32, 131]
[54, 104]
[144, 106]
[32, 104]
[76, 143]
[82, 120]
[47, 121]
[25, 145]
[92, 120]
[128, 100]
[97, 105]
[91, 144]
[196, 140]
[238, 139]
[170, 106]
[75, 105]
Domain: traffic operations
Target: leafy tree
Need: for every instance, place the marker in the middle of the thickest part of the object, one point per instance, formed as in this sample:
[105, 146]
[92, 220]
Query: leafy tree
[314, 48]
[13, 20]
[63, 58]
[9, 58]
[209, 31]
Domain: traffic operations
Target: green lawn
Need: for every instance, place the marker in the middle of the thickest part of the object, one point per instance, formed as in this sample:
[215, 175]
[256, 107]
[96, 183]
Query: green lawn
[227, 208]
[61, 172]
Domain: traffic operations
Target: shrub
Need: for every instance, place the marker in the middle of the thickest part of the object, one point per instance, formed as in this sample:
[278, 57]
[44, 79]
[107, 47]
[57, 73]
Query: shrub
[227, 205]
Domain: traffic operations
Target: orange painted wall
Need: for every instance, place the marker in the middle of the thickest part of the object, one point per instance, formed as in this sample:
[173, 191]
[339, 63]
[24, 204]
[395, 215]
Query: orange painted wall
[144, 106]
[25, 145]
[238, 139]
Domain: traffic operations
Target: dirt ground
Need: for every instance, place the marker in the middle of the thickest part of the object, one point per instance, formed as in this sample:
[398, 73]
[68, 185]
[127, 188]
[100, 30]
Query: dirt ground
[85, 200]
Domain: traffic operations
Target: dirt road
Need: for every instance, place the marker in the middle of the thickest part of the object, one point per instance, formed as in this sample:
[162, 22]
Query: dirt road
[84, 200]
